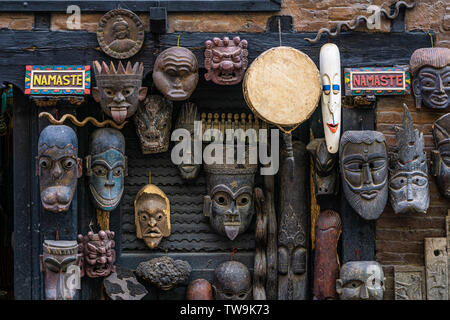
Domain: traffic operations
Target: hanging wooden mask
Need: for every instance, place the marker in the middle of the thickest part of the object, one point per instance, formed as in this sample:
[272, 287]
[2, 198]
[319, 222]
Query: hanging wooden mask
[408, 179]
[98, 254]
[330, 73]
[153, 122]
[60, 263]
[232, 281]
[361, 280]
[175, 73]
[119, 90]
[364, 171]
[106, 167]
[441, 156]
[325, 168]
[225, 60]
[186, 118]
[58, 167]
[430, 69]
[152, 215]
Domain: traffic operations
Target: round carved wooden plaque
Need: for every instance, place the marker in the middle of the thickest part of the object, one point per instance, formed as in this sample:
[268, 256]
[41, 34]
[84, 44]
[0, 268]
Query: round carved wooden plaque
[120, 33]
[282, 86]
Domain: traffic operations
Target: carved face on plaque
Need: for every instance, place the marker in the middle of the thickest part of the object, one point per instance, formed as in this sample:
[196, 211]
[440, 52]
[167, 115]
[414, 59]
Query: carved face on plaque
[106, 168]
[60, 262]
[120, 33]
[325, 168]
[441, 156]
[58, 167]
[225, 60]
[152, 215]
[98, 253]
[232, 281]
[408, 180]
[188, 114]
[430, 68]
[175, 73]
[229, 203]
[153, 121]
[361, 280]
[119, 90]
[364, 171]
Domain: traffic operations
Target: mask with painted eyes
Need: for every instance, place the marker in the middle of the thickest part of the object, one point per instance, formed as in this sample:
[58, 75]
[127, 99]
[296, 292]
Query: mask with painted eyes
[58, 167]
[364, 171]
[430, 69]
[225, 60]
[232, 281]
[325, 168]
[330, 72]
[119, 91]
[408, 180]
[153, 122]
[106, 168]
[152, 215]
[361, 280]
[441, 156]
[60, 262]
[175, 73]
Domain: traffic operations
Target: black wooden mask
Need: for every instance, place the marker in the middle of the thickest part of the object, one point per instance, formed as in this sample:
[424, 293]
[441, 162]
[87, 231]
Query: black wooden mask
[364, 171]
[325, 174]
[441, 156]
[232, 281]
[58, 167]
[408, 181]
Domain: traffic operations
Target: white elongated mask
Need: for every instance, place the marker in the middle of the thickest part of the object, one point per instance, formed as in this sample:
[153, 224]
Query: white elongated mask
[330, 73]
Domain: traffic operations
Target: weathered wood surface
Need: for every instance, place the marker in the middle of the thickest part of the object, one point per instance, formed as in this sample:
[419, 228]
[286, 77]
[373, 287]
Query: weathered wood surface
[409, 283]
[436, 267]
[271, 249]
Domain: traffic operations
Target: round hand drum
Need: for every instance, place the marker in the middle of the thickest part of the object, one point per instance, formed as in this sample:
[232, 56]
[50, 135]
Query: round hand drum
[282, 86]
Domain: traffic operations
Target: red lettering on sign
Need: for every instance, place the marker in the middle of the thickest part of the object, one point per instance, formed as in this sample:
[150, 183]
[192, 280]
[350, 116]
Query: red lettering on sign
[377, 82]
[399, 82]
[384, 81]
[356, 80]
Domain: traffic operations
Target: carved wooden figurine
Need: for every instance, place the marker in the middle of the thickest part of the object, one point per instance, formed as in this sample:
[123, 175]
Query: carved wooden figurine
[326, 262]
[199, 289]
[60, 262]
[364, 171]
[232, 281]
[175, 73]
[119, 90]
[408, 179]
[153, 121]
[441, 156]
[430, 69]
[293, 226]
[58, 167]
[325, 168]
[330, 72]
[226, 60]
[361, 280]
[152, 215]
[98, 254]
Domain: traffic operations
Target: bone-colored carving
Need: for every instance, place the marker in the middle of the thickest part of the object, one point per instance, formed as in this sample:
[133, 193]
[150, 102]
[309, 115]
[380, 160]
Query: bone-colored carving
[409, 282]
[436, 265]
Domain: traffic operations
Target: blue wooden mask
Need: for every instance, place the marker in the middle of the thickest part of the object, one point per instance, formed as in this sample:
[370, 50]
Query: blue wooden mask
[106, 168]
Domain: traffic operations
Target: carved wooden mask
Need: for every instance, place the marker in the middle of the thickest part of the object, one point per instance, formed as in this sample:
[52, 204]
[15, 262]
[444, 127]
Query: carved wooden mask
[58, 167]
[232, 281]
[441, 156]
[325, 168]
[153, 122]
[98, 254]
[119, 90]
[152, 215]
[408, 180]
[106, 168]
[225, 60]
[361, 280]
[364, 171]
[430, 69]
[175, 73]
[60, 262]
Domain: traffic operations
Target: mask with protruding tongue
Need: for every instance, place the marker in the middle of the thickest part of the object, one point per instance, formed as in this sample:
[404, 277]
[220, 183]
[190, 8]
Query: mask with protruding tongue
[231, 225]
[232, 231]
[119, 114]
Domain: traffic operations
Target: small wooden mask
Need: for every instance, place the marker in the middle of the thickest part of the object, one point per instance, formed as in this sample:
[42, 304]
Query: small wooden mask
[175, 73]
[152, 215]
[232, 281]
[225, 60]
[441, 156]
[325, 168]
